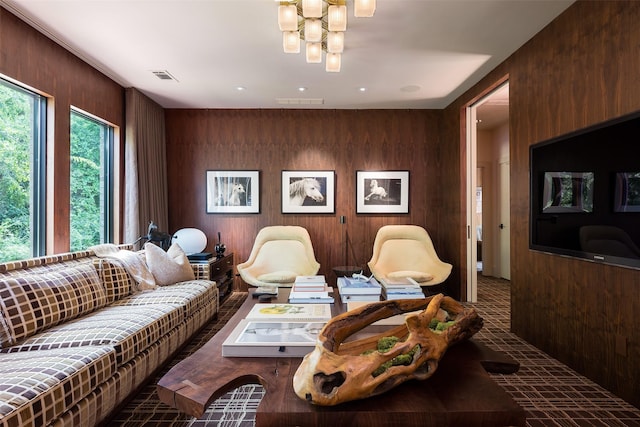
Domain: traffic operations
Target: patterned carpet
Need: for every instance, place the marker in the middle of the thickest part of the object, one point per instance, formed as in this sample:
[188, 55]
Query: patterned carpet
[551, 393]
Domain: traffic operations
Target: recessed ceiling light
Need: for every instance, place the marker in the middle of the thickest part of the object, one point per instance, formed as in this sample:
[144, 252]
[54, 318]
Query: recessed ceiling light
[362, 89]
[240, 88]
[302, 89]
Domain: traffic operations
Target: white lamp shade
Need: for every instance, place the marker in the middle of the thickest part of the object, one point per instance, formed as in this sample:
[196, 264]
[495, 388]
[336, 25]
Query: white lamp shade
[288, 18]
[314, 52]
[337, 18]
[364, 8]
[191, 240]
[313, 30]
[291, 41]
[335, 41]
[312, 8]
[333, 62]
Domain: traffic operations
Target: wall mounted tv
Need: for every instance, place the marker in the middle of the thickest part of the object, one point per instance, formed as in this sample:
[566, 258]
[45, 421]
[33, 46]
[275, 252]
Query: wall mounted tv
[585, 193]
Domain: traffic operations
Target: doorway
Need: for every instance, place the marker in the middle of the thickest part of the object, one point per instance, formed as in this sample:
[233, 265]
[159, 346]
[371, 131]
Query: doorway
[488, 227]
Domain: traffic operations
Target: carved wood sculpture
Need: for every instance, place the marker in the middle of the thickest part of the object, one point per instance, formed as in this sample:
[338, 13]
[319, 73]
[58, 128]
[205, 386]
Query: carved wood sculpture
[337, 371]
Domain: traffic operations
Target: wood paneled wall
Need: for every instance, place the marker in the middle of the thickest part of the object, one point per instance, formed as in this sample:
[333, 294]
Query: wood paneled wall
[582, 69]
[34, 60]
[275, 140]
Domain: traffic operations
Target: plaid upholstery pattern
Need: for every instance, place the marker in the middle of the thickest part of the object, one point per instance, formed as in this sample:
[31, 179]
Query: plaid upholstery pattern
[30, 304]
[201, 270]
[75, 342]
[129, 329]
[116, 280]
[38, 387]
[191, 295]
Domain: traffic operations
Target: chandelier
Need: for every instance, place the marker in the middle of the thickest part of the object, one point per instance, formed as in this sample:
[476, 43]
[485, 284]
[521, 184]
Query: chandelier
[321, 24]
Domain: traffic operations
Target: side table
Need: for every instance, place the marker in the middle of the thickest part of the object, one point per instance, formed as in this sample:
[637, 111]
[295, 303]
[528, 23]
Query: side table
[220, 270]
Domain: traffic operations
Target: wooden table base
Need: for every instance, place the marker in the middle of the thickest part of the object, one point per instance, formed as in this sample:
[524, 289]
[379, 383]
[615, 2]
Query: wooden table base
[460, 393]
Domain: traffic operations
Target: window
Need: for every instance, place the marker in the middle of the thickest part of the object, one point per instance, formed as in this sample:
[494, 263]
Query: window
[22, 172]
[91, 169]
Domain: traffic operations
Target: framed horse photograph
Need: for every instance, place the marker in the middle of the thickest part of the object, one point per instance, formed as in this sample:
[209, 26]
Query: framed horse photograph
[308, 191]
[382, 192]
[233, 191]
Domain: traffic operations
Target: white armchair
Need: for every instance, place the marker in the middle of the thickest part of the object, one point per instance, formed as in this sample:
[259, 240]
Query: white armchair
[407, 251]
[279, 254]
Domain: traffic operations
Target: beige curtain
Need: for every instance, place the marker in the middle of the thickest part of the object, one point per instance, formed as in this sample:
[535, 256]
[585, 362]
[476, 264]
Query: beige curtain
[145, 166]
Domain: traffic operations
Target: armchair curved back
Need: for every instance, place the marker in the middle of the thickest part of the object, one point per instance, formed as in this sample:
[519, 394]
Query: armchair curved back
[407, 251]
[279, 254]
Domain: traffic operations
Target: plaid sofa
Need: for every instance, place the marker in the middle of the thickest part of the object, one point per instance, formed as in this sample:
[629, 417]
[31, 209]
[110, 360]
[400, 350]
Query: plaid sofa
[76, 340]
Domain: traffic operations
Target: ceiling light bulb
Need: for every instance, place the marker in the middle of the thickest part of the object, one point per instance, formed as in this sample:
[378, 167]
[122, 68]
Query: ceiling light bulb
[314, 53]
[335, 41]
[313, 30]
[364, 8]
[291, 41]
[337, 18]
[333, 62]
[312, 8]
[288, 18]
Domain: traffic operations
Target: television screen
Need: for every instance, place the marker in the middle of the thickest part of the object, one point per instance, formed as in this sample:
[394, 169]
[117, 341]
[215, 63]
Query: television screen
[585, 193]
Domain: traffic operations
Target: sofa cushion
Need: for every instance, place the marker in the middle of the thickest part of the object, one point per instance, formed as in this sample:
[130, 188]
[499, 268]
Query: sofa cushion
[30, 304]
[129, 329]
[168, 267]
[190, 296]
[37, 387]
[117, 282]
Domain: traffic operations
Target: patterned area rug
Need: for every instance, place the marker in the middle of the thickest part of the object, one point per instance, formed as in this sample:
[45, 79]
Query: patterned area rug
[551, 393]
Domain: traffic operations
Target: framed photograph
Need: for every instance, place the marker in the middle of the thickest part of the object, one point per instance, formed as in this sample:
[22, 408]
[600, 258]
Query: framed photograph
[308, 191]
[382, 192]
[627, 192]
[567, 192]
[233, 191]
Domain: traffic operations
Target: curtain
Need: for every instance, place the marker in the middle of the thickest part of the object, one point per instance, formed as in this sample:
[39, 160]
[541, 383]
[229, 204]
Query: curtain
[145, 166]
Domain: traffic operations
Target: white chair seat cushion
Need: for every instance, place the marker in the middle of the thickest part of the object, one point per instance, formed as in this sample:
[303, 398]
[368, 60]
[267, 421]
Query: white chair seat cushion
[418, 276]
[278, 277]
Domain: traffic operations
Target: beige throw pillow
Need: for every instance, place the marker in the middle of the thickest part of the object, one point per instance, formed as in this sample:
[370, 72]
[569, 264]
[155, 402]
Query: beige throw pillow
[168, 267]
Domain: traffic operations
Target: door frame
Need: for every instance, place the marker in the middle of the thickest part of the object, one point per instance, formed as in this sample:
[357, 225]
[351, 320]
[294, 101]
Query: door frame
[470, 162]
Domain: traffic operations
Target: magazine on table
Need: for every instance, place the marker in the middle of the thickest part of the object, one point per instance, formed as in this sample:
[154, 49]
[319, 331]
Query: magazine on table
[257, 338]
[284, 311]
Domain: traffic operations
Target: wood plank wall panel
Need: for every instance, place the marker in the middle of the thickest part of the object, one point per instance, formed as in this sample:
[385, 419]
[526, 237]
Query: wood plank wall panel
[276, 140]
[34, 60]
[580, 70]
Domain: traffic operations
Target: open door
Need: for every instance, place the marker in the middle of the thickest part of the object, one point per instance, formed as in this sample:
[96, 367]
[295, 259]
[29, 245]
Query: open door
[487, 119]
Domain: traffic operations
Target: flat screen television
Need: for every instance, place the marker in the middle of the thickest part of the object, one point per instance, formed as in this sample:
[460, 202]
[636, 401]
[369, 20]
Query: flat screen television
[585, 193]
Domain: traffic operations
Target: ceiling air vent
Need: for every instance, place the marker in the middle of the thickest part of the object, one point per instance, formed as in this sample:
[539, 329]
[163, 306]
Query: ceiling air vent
[300, 101]
[164, 75]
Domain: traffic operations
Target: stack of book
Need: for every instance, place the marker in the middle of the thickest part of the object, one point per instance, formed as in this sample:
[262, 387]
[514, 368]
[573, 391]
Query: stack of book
[401, 288]
[277, 330]
[359, 290]
[311, 289]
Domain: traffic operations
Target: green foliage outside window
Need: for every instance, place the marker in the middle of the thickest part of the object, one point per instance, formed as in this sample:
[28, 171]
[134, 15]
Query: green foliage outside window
[16, 142]
[87, 207]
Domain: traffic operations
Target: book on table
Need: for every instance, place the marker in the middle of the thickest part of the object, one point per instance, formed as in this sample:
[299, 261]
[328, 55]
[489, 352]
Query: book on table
[403, 294]
[399, 283]
[368, 298]
[287, 312]
[350, 286]
[260, 338]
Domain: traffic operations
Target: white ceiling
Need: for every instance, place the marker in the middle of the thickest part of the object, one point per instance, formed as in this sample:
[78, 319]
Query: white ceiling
[410, 54]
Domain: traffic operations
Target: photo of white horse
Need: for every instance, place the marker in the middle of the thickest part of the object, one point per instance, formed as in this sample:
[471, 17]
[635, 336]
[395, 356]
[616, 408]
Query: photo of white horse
[375, 191]
[301, 189]
[230, 193]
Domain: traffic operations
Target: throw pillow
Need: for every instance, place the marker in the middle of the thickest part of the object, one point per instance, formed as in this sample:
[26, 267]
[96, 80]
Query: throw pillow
[168, 267]
[418, 276]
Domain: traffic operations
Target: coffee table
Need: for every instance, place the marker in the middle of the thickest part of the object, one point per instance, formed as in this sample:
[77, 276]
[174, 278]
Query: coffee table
[460, 393]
